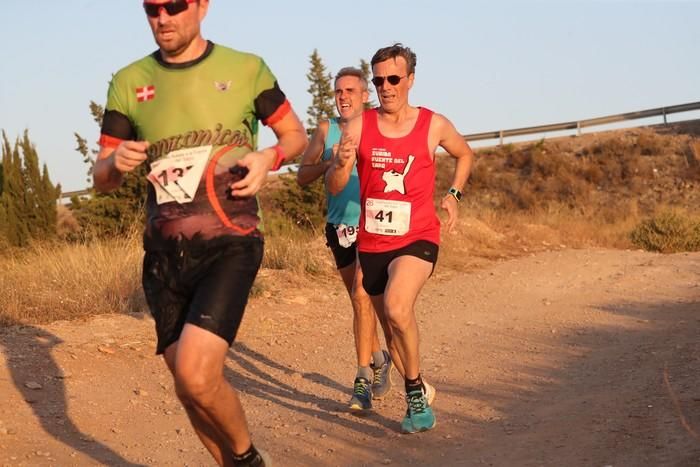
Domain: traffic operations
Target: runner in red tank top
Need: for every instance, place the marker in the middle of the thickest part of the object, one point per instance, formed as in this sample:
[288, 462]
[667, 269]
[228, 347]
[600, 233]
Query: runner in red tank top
[399, 231]
[396, 186]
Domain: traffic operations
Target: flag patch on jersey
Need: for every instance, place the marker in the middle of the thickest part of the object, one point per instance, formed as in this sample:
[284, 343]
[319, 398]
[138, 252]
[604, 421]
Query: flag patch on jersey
[145, 93]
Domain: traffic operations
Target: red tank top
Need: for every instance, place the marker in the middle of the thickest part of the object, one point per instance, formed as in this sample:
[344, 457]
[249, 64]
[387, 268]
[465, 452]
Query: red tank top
[397, 181]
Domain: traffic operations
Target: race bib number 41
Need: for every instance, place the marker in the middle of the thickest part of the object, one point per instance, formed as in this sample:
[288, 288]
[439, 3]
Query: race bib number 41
[176, 177]
[385, 217]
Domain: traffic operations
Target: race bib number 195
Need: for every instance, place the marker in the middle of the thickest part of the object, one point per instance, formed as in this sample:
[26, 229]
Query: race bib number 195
[347, 234]
[385, 217]
[176, 176]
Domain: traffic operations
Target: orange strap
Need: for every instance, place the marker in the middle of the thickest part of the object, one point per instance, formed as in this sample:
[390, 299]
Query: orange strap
[211, 192]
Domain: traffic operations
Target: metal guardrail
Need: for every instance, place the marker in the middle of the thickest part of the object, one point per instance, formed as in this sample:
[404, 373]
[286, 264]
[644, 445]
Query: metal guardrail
[78, 193]
[575, 125]
[579, 124]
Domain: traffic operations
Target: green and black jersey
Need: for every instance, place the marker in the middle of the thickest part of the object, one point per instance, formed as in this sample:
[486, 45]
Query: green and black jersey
[200, 117]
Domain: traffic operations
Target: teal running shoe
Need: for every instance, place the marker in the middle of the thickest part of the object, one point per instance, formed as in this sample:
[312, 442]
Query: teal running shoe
[381, 384]
[361, 395]
[419, 416]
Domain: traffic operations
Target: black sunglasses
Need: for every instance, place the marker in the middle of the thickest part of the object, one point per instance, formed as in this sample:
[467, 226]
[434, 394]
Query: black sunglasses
[392, 79]
[173, 7]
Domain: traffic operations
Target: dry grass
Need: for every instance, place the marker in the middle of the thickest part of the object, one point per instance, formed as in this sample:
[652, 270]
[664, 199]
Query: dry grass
[53, 281]
[57, 280]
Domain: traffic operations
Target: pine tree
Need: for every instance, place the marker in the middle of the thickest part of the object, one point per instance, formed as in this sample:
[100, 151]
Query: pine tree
[89, 155]
[321, 89]
[112, 213]
[367, 74]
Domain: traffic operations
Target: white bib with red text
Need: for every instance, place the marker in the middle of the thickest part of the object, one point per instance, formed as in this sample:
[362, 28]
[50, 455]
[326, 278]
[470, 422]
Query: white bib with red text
[386, 217]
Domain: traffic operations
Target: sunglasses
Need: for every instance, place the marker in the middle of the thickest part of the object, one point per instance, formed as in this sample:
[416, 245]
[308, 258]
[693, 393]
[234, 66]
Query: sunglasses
[173, 7]
[392, 79]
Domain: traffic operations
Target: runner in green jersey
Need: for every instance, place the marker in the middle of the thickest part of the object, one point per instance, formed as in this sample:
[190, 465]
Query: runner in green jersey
[190, 113]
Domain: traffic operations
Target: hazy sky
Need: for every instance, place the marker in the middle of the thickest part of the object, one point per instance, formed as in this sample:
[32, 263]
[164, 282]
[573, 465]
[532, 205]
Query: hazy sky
[485, 65]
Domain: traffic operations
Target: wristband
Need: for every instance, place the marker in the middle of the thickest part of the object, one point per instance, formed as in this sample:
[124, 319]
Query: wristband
[456, 193]
[281, 157]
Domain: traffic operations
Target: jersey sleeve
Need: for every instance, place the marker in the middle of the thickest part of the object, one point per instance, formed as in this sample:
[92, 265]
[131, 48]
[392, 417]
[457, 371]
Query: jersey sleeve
[271, 105]
[116, 126]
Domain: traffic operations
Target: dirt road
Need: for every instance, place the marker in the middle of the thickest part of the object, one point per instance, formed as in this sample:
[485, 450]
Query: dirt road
[563, 358]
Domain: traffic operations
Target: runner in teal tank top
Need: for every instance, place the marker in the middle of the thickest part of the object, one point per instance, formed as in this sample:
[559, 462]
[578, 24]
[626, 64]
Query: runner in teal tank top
[189, 113]
[373, 377]
[343, 208]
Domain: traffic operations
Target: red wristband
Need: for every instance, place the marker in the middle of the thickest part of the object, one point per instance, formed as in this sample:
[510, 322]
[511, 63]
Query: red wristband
[281, 157]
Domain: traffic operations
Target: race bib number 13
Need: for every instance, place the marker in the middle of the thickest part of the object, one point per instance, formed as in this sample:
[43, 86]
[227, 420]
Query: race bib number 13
[385, 217]
[176, 177]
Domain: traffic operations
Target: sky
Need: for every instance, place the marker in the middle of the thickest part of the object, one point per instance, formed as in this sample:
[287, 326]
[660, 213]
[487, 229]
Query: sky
[485, 65]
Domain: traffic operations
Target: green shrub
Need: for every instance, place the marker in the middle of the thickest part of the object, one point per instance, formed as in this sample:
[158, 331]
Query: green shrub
[304, 206]
[668, 232]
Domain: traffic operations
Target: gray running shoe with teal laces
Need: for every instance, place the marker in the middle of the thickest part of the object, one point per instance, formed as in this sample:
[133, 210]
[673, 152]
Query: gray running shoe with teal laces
[381, 384]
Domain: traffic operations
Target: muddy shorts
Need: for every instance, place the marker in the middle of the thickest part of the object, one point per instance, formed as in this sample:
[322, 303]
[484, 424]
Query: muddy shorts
[344, 257]
[202, 282]
[375, 266]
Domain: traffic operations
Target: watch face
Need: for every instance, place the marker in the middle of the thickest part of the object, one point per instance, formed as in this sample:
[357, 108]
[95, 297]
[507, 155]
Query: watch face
[457, 194]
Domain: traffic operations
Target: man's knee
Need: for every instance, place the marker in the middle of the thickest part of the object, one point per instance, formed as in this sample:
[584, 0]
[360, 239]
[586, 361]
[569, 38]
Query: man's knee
[361, 303]
[197, 387]
[398, 313]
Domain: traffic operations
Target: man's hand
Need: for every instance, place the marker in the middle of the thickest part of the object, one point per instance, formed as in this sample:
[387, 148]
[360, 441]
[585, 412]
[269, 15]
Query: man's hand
[258, 164]
[129, 155]
[449, 204]
[345, 152]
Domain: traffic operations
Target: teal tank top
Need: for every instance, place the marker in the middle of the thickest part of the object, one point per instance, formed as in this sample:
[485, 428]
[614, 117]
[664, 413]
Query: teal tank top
[343, 208]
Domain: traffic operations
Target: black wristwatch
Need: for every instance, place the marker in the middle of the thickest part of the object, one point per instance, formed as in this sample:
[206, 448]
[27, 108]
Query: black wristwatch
[456, 193]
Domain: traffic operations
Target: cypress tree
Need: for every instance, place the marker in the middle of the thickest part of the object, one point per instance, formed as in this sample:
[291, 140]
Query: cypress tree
[33, 218]
[12, 199]
[48, 198]
[321, 89]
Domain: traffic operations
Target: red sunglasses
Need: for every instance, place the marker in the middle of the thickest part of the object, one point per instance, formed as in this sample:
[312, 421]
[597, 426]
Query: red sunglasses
[172, 7]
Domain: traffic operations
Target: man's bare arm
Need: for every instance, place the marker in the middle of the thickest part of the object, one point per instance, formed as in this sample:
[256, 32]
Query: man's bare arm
[113, 163]
[311, 166]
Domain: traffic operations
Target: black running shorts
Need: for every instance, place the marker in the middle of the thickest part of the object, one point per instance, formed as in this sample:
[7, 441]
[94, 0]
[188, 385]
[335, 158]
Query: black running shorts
[344, 257]
[375, 266]
[202, 282]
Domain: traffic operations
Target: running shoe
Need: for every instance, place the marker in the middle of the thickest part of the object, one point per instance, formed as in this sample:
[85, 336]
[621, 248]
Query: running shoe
[381, 384]
[361, 395]
[419, 416]
[429, 392]
[261, 459]
[266, 459]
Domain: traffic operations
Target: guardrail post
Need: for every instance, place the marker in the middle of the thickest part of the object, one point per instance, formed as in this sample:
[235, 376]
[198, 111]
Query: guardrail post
[500, 133]
[578, 128]
[663, 109]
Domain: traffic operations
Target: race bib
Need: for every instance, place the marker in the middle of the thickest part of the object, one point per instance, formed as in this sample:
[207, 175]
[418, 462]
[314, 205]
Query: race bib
[385, 217]
[347, 234]
[176, 177]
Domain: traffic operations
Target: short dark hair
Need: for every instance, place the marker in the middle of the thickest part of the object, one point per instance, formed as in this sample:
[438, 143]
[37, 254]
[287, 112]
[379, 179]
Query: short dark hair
[352, 71]
[394, 51]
